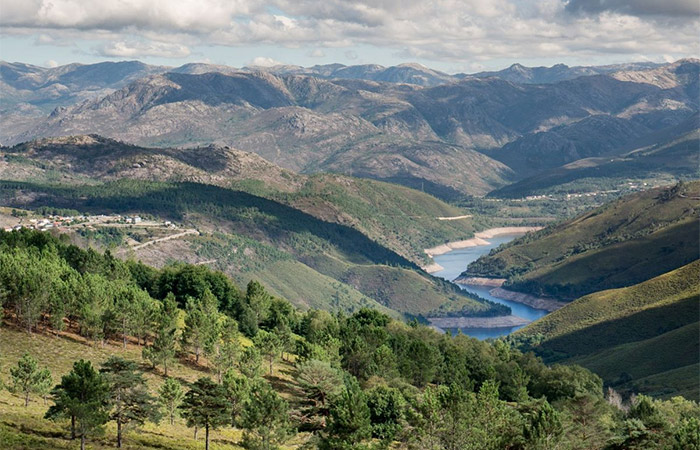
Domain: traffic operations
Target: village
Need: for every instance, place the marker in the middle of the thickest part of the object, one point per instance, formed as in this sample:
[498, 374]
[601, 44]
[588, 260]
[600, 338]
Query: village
[18, 220]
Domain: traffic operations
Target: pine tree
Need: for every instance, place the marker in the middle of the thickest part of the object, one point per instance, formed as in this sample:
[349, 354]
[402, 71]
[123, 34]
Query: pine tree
[170, 396]
[162, 350]
[205, 406]
[269, 345]
[265, 417]
[130, 401]
[227, 349]
[237, 390]
[349, 423]
[319, 381]
[82, 396]
[201, 323]
[250, 362]
[26, 378]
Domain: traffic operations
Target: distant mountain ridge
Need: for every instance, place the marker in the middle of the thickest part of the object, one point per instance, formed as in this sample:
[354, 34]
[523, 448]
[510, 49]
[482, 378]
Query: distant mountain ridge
[463, 137]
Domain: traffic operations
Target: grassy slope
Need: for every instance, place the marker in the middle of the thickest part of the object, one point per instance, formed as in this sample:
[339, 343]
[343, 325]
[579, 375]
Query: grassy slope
[25, 428]
[673, 351]
[601, 308]
[622, 243]
[645, 331]
[279, 228]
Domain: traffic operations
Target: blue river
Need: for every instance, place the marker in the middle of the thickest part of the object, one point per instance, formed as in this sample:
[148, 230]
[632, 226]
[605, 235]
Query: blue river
[456, 261]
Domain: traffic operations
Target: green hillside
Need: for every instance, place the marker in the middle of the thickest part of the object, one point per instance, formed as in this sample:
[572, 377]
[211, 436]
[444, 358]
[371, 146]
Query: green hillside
[332, 249]
[625, 242]
[402, 219]
[629, 334]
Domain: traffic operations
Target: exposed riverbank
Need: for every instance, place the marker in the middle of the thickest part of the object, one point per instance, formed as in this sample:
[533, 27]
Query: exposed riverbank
[478, 322]
[481, 281]
[478, 239]
[527, 299]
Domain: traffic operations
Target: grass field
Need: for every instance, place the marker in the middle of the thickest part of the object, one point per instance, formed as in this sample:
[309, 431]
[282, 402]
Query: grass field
[25, 428]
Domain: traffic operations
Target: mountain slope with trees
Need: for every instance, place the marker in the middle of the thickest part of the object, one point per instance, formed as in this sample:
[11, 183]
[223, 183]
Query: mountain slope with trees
[248, 370]
[622, 243]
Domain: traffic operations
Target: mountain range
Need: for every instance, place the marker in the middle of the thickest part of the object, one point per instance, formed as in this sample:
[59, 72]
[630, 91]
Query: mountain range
[450, 136]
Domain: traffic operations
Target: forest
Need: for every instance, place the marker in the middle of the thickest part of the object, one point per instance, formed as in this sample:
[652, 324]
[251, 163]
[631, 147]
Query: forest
[356, 381]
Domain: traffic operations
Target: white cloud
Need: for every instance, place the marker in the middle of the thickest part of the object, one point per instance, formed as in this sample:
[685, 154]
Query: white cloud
[263, 61]
[51, 63]
[316, 53]
[135, 49]
[459, 31]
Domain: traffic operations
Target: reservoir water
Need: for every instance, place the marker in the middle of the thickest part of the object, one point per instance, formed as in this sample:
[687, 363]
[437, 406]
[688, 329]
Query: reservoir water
[456, 261]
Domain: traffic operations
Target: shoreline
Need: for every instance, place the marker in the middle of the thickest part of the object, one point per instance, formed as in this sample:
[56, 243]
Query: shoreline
[478, 239]
[527, 299]
[480, 281]
[478, 322]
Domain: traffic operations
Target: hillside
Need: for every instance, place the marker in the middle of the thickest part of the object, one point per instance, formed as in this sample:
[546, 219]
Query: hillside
[332, 250]
[407, 224]
[132, 341]
[613, 332]
[622, 243]
[669, 159]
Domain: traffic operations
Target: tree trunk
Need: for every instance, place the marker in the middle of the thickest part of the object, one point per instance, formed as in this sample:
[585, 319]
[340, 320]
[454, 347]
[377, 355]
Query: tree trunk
[119, 434]
[172, 418]
[195, 433]
[271, 358]
[82, 442]
[206, 439]
[165, 367]
[26, 399]
[72, 427]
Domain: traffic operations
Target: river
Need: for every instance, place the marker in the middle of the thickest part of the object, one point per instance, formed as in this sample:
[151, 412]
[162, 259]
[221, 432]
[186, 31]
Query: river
[456, 261]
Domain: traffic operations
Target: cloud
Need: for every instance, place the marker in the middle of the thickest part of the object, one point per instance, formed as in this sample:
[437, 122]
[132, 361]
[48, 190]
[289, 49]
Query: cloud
[135, 49]
[316, 53]
[351, 54]
[459, 31]
[672, 8]
[51, 63]
[263, 61]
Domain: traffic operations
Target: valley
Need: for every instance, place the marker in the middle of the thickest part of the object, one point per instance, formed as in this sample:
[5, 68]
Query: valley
[350, 256]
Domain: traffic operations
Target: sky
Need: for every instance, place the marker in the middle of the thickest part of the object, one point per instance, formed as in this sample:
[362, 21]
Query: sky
[448, 35]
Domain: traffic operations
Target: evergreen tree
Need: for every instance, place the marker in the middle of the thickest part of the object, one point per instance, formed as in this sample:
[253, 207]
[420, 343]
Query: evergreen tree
[26, 378]
[269, 345]
[265, 417]
[237, 390]
[387, 409]
[320, 382]
[82, 396]
[205, 406]
[250, 363]
[129, 398]
[349, 426]
[201, 323]
[258, 300]
[170, 396]
[227, 349]
[162, 350]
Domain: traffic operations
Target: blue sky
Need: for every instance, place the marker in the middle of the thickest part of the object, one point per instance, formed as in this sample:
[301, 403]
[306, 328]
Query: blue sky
[449, 35]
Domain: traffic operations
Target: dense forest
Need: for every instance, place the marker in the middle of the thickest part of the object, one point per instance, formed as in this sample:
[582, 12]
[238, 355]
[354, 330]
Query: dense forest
[359, 381]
